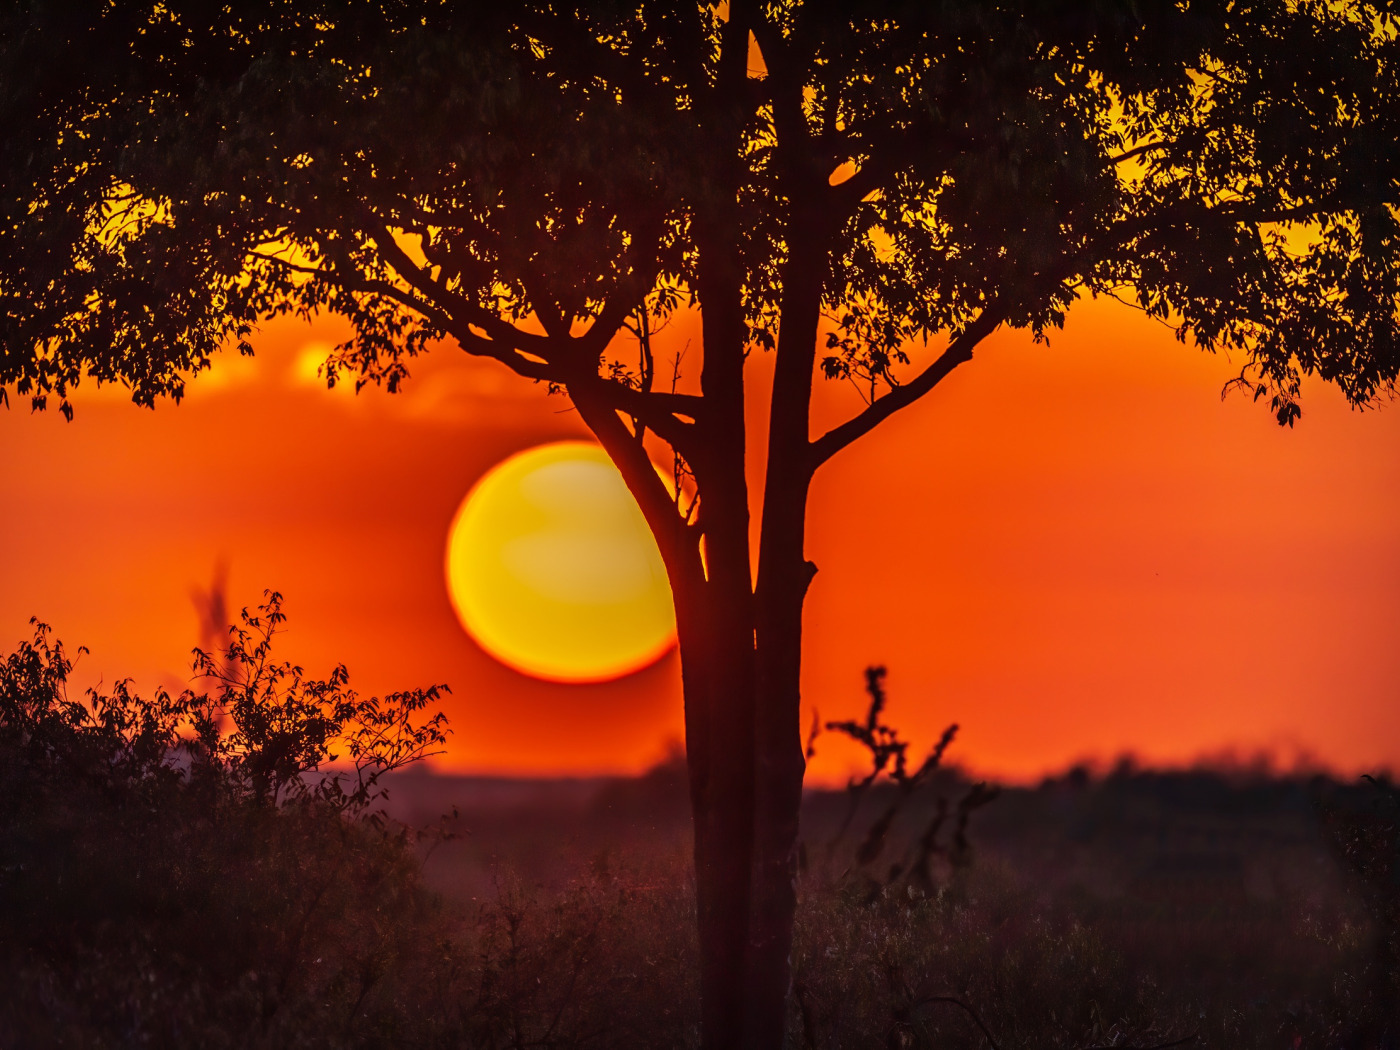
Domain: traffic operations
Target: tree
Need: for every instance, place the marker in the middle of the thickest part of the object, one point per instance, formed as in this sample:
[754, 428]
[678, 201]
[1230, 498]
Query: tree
[535, 182]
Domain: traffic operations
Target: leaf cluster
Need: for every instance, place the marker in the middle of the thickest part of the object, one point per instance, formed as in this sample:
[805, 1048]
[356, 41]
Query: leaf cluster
[269, 726]
[267, 736]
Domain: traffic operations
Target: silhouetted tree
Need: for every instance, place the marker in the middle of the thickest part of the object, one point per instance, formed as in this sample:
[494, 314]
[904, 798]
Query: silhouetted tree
[531, 181]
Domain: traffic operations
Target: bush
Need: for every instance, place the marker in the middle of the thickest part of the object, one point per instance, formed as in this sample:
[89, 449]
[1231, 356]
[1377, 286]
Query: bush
[1363, 826]
[194, 869]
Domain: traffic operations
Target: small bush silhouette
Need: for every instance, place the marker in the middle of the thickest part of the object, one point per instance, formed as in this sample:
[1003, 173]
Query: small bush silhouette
[889, 757]
[285, 726]
[206, 870]
[267, 735]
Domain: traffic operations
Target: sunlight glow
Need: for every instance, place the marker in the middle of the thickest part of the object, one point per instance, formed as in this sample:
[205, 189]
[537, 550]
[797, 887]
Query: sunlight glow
[552, 570]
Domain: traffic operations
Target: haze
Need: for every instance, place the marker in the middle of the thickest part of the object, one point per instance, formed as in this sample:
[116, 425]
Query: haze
[1075, 551]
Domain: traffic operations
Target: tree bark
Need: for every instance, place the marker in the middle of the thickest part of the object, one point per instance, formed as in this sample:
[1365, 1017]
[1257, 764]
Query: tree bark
[717, 674]
[779, 769]
[745, 803]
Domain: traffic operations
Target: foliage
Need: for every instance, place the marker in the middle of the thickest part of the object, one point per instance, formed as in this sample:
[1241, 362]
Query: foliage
[997, 960]
[176, 923]
[138, 906]
[263, 738]
[532, 180]
[118, 741]
[432, 172]
[183, 870]
[1363, 825]
[282, 726]
[609, 960]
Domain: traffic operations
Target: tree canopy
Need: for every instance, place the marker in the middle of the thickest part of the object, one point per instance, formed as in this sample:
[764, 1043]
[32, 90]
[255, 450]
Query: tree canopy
[174, 173]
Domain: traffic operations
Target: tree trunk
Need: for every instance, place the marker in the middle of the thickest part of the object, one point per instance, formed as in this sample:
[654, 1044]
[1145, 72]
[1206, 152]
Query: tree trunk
[745, 803]
[717, 675]
[779, 768]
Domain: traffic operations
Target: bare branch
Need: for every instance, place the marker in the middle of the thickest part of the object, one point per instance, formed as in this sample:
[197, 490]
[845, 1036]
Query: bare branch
[1137, 151]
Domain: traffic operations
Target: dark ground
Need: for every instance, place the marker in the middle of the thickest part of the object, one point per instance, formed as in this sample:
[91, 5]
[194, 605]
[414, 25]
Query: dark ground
[1139, 909]
[1130, 909]
[155, 894]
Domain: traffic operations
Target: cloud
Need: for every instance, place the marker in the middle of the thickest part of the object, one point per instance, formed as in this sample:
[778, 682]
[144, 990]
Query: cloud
[442, 387]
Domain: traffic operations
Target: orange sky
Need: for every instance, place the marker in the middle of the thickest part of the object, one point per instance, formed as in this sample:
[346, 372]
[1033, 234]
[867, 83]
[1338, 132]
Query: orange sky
[1074, 551]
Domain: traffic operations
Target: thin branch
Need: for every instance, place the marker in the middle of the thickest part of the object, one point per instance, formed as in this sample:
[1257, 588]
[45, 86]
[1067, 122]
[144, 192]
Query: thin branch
[1245, 211]
[958, 352]
[954, 1001]
[1137, 151]
[1156, 1046]
[646, 366]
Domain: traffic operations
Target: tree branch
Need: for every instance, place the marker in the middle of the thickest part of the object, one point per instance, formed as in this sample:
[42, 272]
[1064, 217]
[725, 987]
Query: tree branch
[958, 352]
[1259, 211]
[359, 283]
[455, 304]
[660, 412]
[546, 307]
[675, 537]
[562, 355]
[888, 153]
[507, 353]
[1137, 151]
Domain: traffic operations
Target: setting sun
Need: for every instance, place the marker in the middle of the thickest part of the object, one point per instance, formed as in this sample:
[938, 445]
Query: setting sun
[552, 570]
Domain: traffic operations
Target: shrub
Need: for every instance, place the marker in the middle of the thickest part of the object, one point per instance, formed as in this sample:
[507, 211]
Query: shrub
[193, 869]
[1362, 824]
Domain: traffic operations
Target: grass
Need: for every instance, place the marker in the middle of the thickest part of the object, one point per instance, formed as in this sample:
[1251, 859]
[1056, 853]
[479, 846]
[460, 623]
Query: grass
[156, 894]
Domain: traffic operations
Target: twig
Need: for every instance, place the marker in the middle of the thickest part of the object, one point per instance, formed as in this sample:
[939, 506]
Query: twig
[953, 1000]
[1156, 1046]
